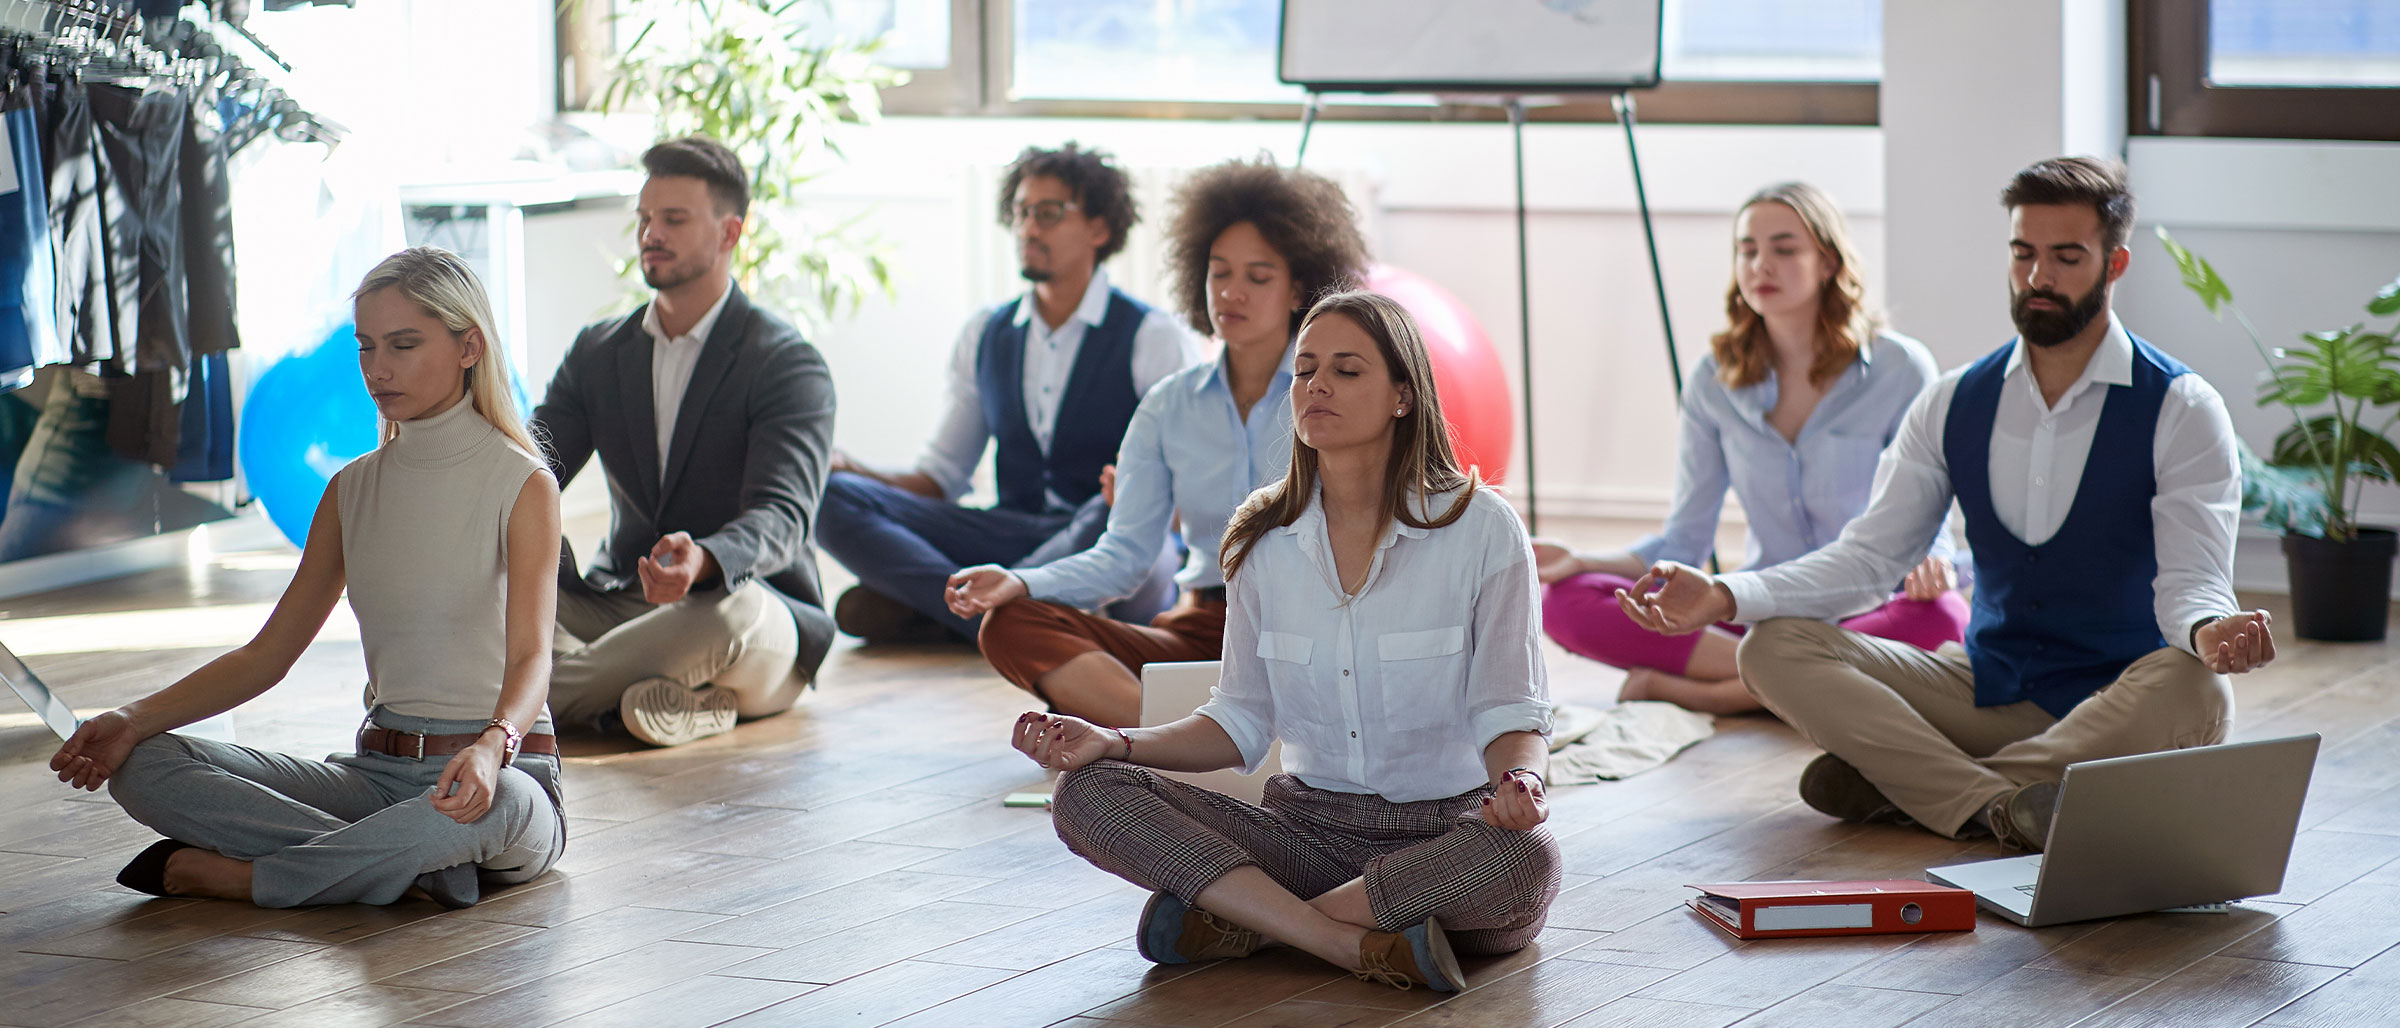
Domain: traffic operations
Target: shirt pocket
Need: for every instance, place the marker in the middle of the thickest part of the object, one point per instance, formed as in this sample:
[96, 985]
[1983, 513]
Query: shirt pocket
[1290, 681]
[1424, 676]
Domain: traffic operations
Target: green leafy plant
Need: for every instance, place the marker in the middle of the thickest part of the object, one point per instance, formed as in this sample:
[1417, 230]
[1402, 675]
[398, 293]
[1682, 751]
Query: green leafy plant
[2311, 483]
[774, 81]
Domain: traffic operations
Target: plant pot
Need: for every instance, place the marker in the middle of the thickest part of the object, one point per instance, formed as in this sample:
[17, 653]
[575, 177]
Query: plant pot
[2341, 592]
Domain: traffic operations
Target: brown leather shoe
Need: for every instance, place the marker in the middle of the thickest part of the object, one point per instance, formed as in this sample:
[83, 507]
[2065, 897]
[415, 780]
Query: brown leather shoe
[1418, 956]
[1174, 932]
[2021, 819]
[1831, 786]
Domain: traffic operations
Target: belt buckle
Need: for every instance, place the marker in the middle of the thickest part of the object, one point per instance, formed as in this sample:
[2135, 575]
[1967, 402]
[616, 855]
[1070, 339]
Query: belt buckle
[420, 744]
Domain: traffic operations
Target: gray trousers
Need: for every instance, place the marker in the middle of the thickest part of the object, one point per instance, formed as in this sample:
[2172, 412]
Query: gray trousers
[743, 641]
[353, 828]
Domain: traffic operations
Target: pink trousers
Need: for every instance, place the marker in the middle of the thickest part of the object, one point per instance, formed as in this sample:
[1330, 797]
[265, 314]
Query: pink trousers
[1581, 613]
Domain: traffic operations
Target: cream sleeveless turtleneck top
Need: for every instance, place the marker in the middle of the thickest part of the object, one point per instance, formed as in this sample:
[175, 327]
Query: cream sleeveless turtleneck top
[425, 547]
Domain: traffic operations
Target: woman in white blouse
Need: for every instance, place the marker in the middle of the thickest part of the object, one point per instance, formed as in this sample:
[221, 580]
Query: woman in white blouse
[1402, 672]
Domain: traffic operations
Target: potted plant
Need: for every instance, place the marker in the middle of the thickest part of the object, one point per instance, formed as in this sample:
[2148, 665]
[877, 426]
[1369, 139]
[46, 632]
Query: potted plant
[777, 82]
[2308, 489]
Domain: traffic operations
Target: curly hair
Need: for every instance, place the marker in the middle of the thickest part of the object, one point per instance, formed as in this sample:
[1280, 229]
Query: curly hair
[1844, 321]
[1101, 190]
[1302, 214]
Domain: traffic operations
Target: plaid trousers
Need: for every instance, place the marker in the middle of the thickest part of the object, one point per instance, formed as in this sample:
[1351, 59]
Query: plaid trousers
[1491, 886]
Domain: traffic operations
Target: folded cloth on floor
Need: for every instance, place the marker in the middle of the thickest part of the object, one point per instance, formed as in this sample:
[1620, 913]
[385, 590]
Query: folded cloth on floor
[1626, 740]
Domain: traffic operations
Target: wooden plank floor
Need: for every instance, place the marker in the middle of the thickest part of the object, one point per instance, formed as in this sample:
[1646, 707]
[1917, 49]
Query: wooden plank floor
[851, 864]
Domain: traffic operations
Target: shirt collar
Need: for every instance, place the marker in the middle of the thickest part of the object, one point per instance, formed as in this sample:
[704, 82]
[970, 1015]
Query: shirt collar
[2111, 364]
[1215, 377]
[1091, 310]
[700, 328]
[1757, 398]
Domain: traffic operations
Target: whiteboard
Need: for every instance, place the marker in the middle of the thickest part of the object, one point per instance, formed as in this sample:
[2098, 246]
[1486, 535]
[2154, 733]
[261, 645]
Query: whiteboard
[1470, 45]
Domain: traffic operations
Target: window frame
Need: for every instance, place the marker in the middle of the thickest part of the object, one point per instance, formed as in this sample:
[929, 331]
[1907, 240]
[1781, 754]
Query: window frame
[983, 53]
[2170, 95]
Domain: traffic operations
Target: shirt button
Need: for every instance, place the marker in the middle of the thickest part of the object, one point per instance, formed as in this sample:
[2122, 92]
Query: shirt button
[1345, 672]
[2039, 480]
[1354, 735]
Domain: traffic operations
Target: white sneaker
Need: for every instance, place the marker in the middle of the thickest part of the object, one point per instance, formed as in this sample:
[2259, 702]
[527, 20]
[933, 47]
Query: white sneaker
[664, 712]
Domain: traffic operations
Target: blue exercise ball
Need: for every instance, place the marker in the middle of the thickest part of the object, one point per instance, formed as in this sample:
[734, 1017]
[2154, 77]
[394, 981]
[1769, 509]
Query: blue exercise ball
[307, 415]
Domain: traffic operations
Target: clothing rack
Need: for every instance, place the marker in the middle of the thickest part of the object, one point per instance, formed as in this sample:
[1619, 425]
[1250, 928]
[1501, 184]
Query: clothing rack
[102, 39]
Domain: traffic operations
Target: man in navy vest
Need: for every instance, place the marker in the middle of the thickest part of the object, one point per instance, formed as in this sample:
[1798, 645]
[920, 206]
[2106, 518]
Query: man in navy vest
[2100, 489]
[1052, 378]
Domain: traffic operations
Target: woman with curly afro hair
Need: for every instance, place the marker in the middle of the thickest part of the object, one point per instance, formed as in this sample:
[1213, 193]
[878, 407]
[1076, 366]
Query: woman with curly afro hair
[1252, 244]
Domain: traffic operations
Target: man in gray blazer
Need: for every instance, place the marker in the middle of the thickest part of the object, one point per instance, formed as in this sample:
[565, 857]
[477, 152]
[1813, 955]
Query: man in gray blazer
[713, 420]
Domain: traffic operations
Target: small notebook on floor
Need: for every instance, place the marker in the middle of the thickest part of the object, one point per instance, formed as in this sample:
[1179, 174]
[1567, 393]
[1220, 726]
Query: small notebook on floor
[1781, 910]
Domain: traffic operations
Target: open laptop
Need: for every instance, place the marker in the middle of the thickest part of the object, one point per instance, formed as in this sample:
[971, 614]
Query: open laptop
[28, 686]
[2154, 831]
[1170, 692]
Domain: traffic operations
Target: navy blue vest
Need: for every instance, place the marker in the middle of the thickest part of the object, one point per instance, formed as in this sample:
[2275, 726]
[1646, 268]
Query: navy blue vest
[2055, 623]
[1091, 417]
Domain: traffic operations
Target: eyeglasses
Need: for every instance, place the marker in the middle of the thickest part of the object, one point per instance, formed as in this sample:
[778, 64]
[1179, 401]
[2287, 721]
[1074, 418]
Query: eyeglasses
[1044, 213]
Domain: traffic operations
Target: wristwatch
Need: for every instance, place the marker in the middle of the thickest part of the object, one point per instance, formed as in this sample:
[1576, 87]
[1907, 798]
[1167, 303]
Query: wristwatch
[512, 739]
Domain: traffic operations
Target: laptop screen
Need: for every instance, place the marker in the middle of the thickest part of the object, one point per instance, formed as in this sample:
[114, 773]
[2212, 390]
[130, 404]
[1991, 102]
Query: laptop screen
[54, 712]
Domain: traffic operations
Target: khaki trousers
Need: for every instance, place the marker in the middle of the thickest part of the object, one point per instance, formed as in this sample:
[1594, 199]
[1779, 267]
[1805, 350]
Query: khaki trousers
[1907, 719]
[743, 641]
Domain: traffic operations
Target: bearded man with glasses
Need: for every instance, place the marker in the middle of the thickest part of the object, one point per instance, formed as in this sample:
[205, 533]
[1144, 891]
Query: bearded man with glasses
[1051, 379]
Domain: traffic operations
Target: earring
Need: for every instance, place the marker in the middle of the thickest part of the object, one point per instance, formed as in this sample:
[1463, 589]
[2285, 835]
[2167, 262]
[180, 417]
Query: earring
[1399, 412]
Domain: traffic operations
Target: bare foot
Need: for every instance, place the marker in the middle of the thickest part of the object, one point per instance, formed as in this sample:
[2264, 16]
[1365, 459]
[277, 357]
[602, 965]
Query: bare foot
[1637, 684]
[198, 872]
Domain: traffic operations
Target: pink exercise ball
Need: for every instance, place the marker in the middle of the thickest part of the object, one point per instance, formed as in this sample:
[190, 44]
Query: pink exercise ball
[1466, 369]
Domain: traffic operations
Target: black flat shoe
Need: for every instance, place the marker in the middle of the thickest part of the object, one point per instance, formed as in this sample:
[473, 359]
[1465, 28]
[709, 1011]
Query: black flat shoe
[455, 887]
[147, 871]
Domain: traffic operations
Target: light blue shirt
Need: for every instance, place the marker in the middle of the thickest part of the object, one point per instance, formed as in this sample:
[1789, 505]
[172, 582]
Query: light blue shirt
[1798, 494]
[1187, 450]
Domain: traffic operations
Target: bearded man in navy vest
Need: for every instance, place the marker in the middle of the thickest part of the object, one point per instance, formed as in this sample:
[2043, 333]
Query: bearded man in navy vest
[1051, 378]
[2100, 487]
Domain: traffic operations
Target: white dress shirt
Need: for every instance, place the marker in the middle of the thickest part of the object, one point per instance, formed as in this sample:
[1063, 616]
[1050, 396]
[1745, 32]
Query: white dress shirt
[1161, 345]
[2037, 457]
[1394, 691]
[671, 364]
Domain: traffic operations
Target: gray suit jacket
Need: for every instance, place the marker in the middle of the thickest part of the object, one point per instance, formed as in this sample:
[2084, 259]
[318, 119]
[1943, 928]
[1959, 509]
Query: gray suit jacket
[745, 469]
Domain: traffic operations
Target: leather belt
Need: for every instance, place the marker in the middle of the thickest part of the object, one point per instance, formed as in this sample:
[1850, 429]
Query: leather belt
[392, 742]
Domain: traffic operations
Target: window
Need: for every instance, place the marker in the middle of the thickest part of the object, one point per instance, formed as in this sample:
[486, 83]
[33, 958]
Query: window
[1759, 61]
[1772, 40]
[2304, 43]
[2293, 69]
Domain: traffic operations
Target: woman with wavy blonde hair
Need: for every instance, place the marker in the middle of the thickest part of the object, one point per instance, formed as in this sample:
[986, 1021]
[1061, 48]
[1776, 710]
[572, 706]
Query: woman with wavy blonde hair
[1379, 623]
[446, 538]
[1790, 410]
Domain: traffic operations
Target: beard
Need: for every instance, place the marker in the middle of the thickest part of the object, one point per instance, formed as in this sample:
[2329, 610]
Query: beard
[2050, 328]
[672, 274]
[1033, 274]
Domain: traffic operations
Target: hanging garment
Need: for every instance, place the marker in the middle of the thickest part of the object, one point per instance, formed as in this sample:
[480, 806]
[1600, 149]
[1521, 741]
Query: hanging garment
[208, 237]
[28, 281]
[89, 322]
[204, 453]
[141, 133]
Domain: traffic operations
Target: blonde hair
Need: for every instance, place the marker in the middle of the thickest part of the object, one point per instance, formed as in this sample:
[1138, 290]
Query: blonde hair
[1422, 461]
[442, 285]
[1844, 324]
